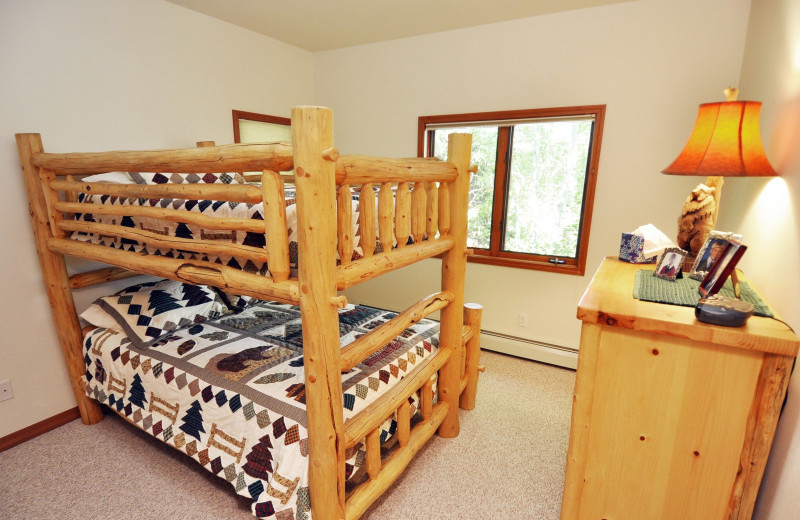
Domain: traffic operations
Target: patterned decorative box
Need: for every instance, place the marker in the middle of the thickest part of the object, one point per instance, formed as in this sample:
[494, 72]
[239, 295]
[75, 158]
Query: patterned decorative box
[630, 250]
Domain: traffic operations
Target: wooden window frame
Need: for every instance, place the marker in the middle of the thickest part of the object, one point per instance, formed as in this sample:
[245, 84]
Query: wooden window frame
[254, 116]
[495, 255]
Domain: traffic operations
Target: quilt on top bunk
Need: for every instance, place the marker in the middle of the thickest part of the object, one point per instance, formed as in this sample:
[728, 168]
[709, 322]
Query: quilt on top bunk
[220, 209]
[229, 392]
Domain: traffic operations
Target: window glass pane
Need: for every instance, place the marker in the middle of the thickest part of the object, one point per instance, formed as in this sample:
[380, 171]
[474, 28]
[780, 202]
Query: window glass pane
[260, 132]
[481, 189]
[545, 187]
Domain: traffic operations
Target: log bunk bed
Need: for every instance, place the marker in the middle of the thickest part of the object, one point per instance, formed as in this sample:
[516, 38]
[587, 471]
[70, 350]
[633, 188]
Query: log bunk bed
[407, 225]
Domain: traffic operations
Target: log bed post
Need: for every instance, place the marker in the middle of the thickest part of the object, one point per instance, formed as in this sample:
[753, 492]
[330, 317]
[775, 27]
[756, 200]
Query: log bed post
[454, 265]
[472, 355]
[312, 133]
[54, 271]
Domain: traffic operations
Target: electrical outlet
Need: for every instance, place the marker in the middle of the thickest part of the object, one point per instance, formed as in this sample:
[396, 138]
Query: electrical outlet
[522, 319]
[6, 392]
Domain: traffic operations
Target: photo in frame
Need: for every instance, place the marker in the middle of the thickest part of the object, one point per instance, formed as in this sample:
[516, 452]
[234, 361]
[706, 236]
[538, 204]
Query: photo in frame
[669, 264]
[712, 249]
[722, 269]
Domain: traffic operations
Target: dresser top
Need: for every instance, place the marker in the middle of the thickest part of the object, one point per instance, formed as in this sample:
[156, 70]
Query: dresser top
[609, 301]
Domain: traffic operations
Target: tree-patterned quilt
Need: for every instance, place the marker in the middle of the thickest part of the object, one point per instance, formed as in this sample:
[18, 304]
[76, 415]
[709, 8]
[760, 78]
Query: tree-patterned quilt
[230, 394]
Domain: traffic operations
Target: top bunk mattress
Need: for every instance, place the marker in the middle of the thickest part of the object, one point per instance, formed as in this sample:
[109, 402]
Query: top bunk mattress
[230, 392]
[211, 208]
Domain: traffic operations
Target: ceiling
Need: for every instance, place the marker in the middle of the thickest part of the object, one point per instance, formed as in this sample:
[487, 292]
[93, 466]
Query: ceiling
[317, 25]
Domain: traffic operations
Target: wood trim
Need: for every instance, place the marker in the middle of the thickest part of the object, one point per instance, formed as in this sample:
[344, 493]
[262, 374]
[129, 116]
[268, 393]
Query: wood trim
[499, 195]
[590, 186]
[481, 258]
[575, 110]
[34, 430]
[254, 116]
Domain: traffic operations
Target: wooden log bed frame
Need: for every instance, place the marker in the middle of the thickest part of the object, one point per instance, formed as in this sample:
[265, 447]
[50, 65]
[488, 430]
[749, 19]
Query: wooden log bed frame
[434, 214]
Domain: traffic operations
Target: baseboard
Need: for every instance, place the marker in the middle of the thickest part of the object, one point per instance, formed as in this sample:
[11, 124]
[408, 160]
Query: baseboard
[34, 430]
[529, 349]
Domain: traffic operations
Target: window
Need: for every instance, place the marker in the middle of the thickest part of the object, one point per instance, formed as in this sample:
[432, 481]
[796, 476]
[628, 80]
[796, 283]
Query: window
[249, 127]
[530, 203]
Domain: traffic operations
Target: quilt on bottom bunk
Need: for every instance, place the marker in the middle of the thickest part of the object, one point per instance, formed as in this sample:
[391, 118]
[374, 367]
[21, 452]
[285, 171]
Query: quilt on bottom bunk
[230, 393]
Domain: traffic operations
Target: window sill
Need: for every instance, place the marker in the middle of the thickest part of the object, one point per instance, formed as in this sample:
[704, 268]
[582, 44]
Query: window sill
[573, 269]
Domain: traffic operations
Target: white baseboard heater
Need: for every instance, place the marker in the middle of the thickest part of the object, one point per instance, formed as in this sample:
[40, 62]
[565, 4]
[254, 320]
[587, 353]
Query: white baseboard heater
[530, 349]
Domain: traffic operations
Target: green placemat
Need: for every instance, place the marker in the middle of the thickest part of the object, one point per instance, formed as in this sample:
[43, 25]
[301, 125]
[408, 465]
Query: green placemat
[684, 291]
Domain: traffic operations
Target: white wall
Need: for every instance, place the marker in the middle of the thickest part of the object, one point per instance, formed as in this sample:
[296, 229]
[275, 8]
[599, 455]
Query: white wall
[769, 217]
[651, 62]
[96, 75]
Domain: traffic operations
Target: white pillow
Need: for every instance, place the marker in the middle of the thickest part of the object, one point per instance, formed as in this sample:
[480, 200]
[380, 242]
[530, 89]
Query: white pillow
[111, 178]
[96, 316]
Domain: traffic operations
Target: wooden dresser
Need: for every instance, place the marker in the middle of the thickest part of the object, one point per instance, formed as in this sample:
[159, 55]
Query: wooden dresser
[672, 418]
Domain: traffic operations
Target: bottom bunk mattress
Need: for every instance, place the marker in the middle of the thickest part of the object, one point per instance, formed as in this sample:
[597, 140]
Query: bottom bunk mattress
[230, 393]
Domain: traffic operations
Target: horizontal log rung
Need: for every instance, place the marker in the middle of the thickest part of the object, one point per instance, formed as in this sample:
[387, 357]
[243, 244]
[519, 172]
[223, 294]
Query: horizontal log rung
[365, 269]
[357, 169]
[107, 274]
[167, 242]
[227, 192]
[192, 271]
[360, 499]
[216, 159]
[171, 215]
[371, 342]
[373, 415]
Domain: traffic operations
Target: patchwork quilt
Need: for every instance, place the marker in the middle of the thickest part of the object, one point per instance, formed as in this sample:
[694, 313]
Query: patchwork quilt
[230, 393]
[220, 209]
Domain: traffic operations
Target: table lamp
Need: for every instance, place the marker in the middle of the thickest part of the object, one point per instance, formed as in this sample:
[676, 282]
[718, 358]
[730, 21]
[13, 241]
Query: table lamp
[725, 142]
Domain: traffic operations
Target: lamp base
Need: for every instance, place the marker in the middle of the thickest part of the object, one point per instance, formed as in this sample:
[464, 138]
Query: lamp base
[698, 218]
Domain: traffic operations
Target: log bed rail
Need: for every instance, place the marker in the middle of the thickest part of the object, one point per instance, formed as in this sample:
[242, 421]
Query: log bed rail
[412, 208]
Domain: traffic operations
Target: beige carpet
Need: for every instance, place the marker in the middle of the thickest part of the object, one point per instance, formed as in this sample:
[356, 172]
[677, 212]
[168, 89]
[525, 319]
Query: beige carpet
[507, 463]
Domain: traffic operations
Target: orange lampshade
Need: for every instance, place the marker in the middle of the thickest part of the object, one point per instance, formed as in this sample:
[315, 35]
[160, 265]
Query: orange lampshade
[726, 141]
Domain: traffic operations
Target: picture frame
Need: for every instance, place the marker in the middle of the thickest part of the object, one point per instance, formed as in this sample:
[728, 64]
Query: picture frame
[712, 249]
[669, 264]
[722, 269]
